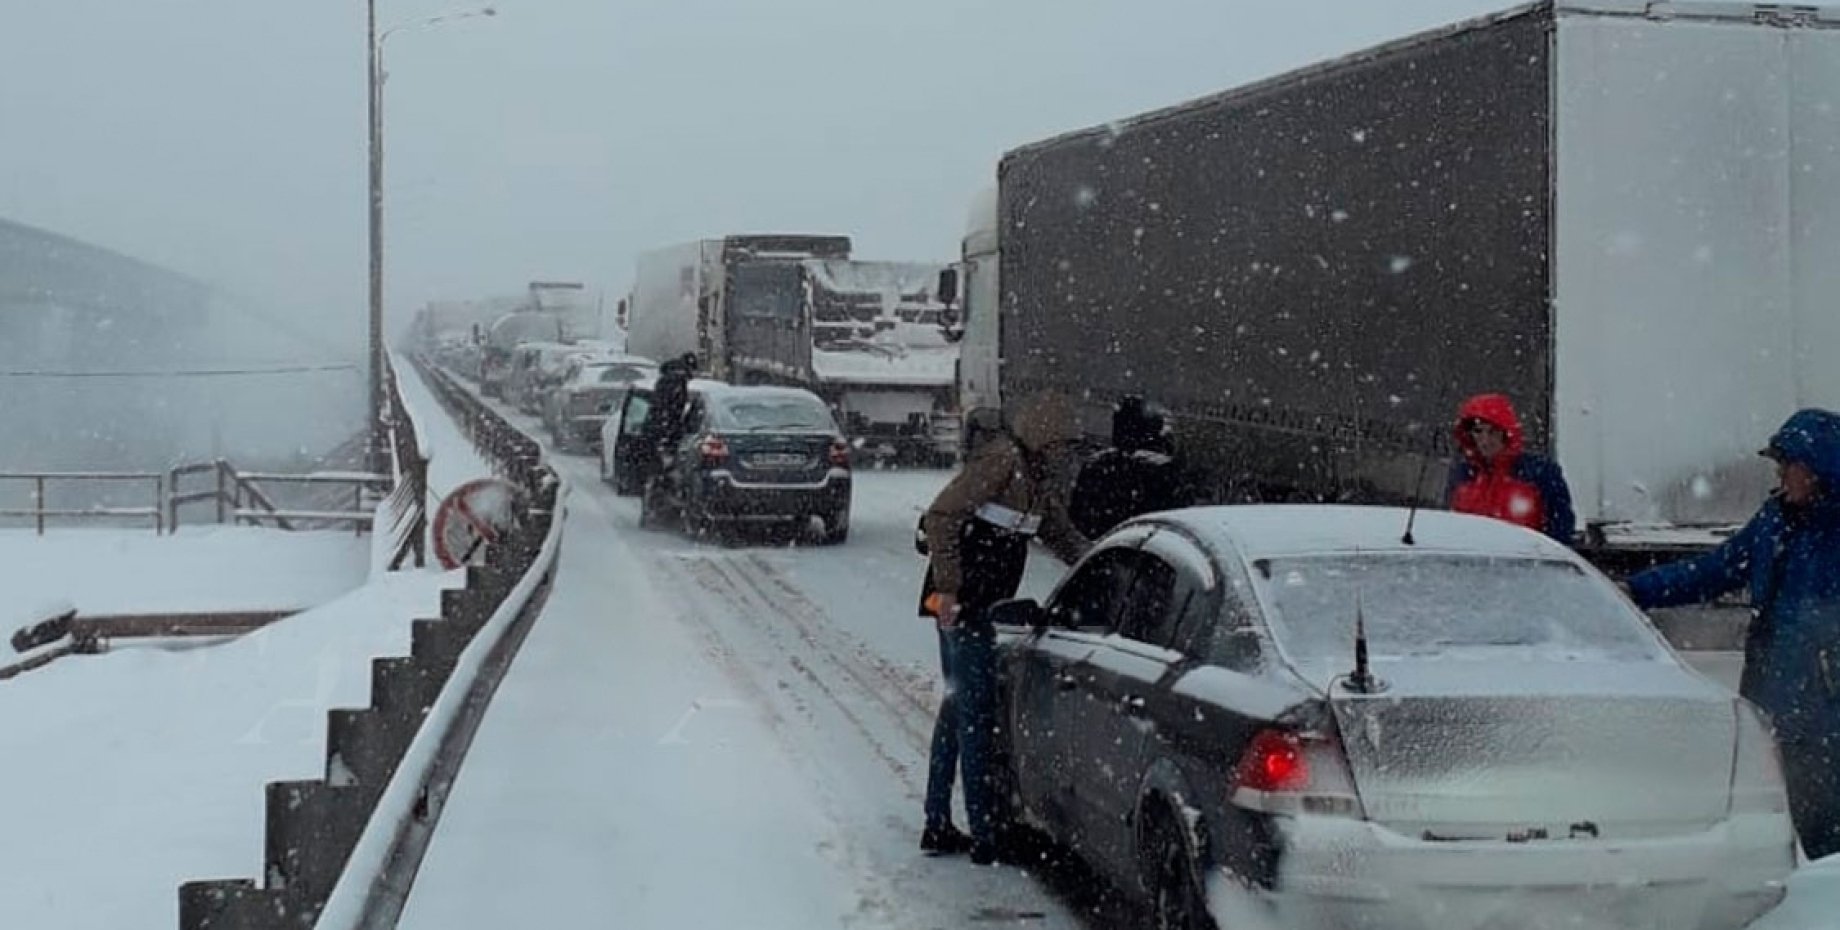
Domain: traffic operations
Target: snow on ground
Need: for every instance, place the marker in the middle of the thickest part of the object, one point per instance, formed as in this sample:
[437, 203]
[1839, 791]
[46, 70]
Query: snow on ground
[673, 687]
[131, 772]
[1813, 902]
[705, 736]
[200, 568]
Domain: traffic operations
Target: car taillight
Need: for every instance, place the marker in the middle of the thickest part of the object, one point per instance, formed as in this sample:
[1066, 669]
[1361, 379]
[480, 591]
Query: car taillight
[840, 453]
[1274, 762]
[1286, 772]
[1757, 784]
[713, 448]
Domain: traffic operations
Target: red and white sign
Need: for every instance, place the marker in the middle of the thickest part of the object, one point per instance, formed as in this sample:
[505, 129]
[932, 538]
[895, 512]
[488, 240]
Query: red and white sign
[474, 517]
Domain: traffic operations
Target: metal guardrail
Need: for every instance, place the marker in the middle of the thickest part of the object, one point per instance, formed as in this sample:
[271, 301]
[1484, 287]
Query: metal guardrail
[42, 482]
[241, 498]
[342, 851]
[407, 505]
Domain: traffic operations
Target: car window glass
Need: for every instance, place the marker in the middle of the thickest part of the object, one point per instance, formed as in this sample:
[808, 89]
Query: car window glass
[1149, 611]
[1087, 600]
[619, 373]
[637, 405]
[772, 413]
[1228, 634]
[1437, 604]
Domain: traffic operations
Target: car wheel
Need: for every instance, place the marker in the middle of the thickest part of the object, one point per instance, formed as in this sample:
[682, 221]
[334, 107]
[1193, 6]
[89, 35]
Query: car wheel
[836, 529]
[1175, 895]
[695, 522]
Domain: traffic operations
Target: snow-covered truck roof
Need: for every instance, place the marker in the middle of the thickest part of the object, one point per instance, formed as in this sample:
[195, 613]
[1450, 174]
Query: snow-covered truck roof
[901, 344]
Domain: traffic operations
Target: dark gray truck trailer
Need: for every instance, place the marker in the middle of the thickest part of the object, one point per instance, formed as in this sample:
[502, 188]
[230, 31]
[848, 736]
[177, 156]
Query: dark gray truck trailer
[1621, 215]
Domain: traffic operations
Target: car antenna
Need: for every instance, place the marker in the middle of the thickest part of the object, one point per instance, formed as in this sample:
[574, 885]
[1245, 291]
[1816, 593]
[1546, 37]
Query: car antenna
[1362, 681]
[1424, 465]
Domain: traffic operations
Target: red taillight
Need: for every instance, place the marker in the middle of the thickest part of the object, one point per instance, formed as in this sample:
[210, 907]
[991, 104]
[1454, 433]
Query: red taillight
[1290, 773]
[713, 448]
[1274, 762]
[840, 453]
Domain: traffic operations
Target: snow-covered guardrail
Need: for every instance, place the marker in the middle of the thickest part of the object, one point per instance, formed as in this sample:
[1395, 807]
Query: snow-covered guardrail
[342, 851]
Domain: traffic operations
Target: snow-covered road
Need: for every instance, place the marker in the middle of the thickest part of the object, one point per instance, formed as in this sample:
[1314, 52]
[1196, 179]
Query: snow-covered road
[696, 735]
[699, 735]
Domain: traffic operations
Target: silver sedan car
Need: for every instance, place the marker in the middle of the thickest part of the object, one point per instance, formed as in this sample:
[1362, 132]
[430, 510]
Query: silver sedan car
[1305, 716]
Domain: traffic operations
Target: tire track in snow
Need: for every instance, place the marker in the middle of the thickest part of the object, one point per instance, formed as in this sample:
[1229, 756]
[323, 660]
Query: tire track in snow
[715, 577]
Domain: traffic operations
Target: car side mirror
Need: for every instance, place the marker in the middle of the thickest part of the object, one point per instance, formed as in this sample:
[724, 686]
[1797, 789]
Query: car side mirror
[947, 291]
[1019, 612]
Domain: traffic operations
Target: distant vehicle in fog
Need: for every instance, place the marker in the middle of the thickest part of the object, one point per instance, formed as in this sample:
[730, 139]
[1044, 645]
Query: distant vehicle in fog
[1294, 708]
[535, 368]
[502, 341]
[578, 406]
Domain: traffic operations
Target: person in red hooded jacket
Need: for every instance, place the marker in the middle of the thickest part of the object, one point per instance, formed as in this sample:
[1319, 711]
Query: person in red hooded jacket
[1497, 477]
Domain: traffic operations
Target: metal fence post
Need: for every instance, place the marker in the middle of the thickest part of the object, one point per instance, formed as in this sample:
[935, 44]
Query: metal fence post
[38, 502]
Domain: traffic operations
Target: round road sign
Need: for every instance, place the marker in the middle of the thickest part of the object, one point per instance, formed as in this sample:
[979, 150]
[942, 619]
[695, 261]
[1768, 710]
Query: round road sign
[476, 515]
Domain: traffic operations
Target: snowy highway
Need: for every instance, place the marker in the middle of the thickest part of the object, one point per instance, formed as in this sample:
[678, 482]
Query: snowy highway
[699, 735]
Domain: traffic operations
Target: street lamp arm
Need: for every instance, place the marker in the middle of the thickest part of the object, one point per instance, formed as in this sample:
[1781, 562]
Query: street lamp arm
[434, 21]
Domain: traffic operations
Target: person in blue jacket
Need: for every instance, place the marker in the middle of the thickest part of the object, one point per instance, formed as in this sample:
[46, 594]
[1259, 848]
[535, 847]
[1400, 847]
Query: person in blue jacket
[1789, 557]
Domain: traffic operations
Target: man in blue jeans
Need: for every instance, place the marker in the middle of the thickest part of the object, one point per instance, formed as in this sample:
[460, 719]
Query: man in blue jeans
[977, 532]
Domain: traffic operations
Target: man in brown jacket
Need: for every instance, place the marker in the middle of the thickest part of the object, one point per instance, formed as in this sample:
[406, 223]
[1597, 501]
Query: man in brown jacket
[978, 531]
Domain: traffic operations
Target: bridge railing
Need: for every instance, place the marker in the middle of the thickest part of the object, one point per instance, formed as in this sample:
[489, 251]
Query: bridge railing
[44, 482]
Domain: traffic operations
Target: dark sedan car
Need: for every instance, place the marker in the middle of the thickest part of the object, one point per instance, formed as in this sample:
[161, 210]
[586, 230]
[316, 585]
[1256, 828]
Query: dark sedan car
[1292, 713]
[750, 456]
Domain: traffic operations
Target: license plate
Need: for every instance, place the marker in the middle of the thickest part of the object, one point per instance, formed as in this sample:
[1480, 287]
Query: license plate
[776, 460]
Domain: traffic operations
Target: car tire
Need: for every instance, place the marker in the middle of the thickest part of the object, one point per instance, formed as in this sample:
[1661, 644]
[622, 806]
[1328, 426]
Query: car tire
[1176, 899]
[695, 522]
[836, 529]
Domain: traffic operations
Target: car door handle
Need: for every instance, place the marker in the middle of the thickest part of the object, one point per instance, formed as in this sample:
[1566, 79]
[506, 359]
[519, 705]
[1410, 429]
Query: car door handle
[1066, 682]
[1132, 704]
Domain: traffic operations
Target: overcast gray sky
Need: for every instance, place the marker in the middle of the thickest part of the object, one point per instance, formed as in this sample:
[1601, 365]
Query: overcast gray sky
[556, 140]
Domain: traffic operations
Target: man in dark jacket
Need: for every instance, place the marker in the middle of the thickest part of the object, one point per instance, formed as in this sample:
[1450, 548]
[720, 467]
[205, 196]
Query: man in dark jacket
[1137, 475]
[1497, 477]
[664, 422]
[977, 533]
[1788, 555]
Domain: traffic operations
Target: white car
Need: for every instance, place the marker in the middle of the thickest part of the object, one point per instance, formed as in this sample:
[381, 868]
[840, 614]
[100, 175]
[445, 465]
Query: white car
[1307, 716]
[591, 385]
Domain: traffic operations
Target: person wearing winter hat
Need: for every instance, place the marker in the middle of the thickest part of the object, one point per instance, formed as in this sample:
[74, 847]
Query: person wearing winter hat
[1788, 556]
[977, 536]
[1497, 477]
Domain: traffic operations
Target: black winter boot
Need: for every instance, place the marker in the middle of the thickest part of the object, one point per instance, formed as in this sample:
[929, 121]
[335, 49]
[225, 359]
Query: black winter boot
[945, 840]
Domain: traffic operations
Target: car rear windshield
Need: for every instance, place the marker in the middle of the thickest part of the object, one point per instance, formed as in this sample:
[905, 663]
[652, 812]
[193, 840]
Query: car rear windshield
[1428, 605]
[621, 374]
[759, 414]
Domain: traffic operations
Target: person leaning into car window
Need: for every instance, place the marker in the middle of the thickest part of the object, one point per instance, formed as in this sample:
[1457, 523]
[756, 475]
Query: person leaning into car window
[977, 533]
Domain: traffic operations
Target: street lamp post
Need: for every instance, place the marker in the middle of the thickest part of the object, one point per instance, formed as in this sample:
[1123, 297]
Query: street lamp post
[373, 47]
[372, 50]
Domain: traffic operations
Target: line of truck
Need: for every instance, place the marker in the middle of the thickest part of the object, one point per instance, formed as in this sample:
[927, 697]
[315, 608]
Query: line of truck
[1625, 215]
